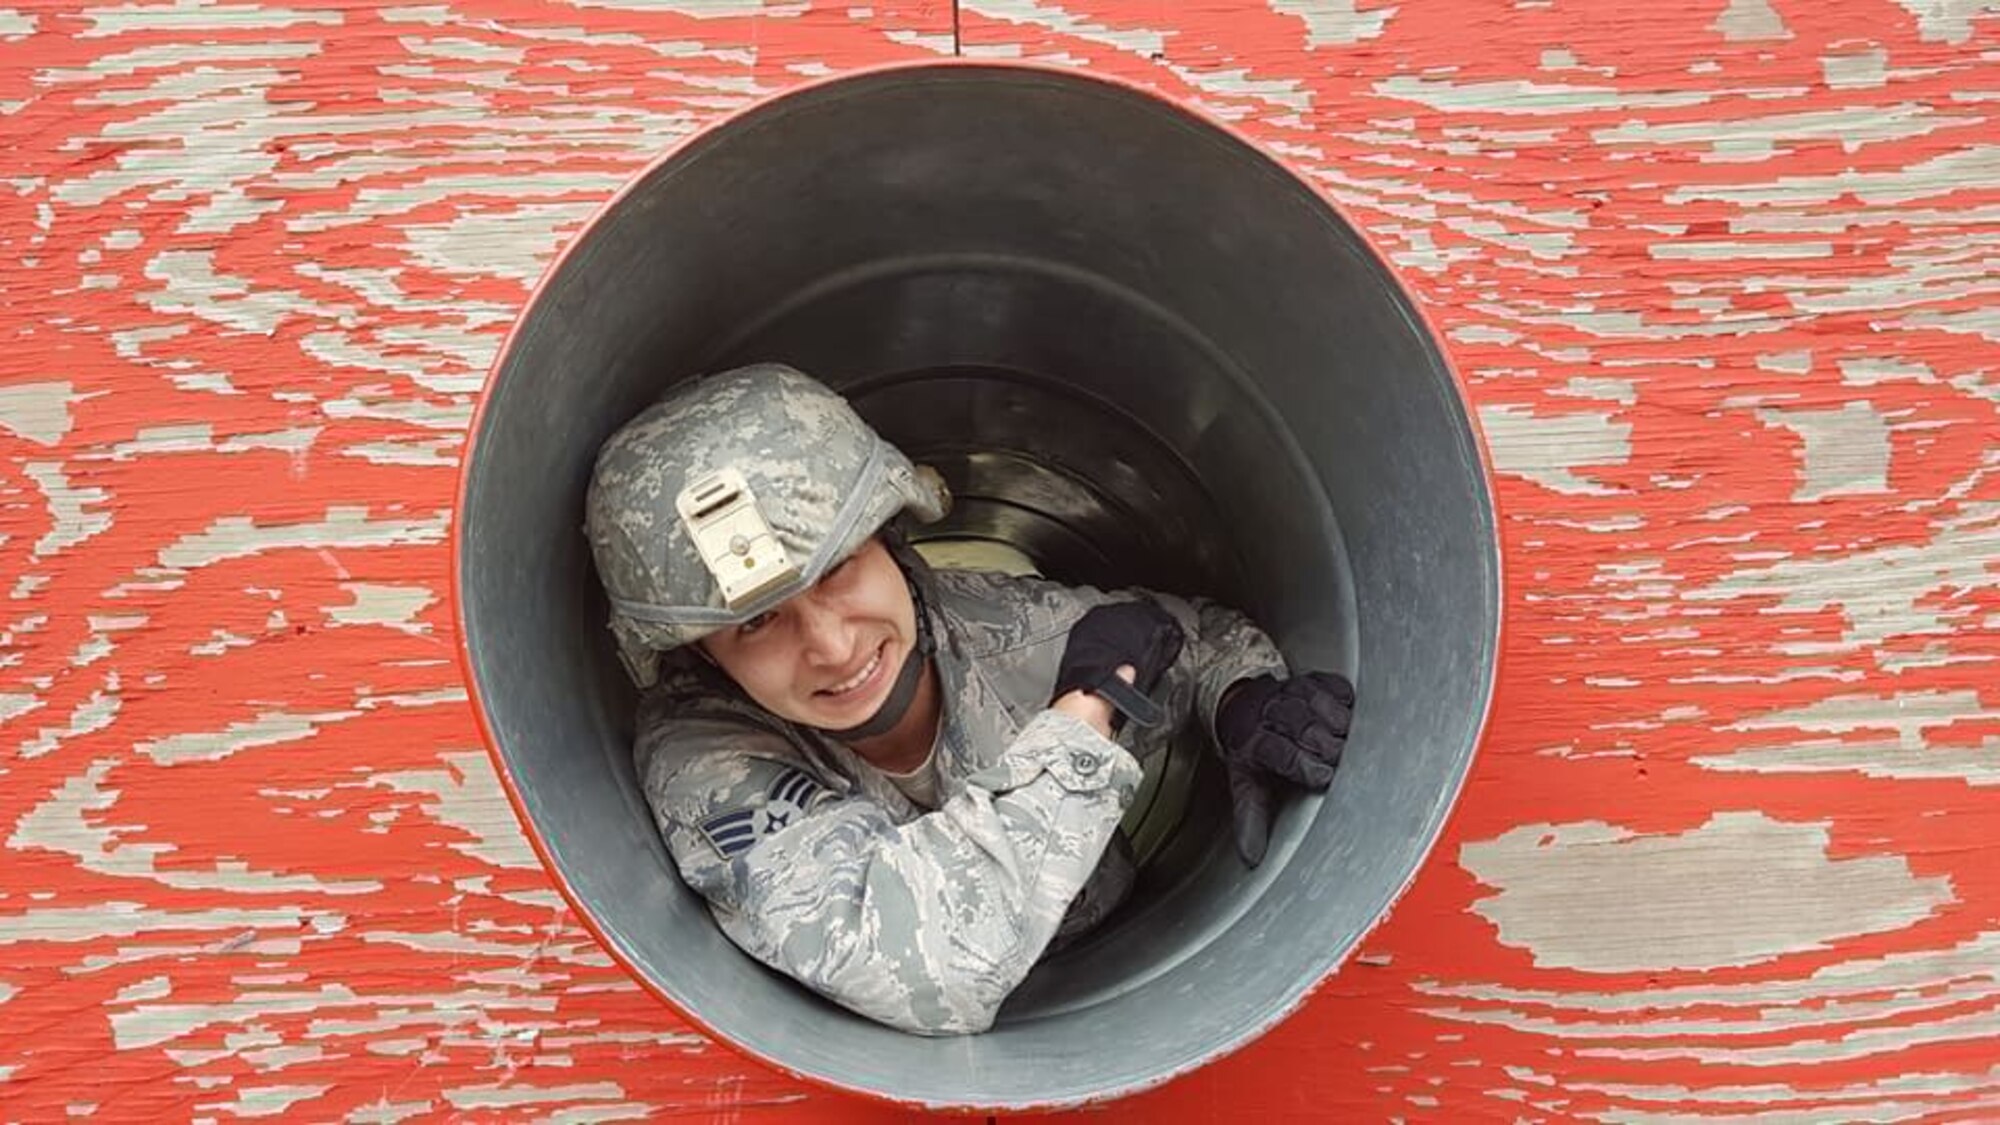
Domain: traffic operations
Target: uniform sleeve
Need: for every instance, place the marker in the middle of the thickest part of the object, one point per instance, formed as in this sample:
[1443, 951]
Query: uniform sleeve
[1026, 623]
[925, 926]
[1221, 646]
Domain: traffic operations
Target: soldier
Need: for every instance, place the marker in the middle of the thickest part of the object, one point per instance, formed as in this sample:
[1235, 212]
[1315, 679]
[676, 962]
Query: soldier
[900, 785]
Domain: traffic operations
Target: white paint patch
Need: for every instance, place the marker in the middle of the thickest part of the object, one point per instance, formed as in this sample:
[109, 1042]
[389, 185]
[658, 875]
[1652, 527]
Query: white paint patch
[69, 509]
[434, 453]
[339, 349]
[237, 537]
[1334, 22]
[1883, 591]
[1786, 363]
[469, 798]
[372, 203]
[1982, 322]
[1622, 391]
[382, 1111]
[1975, 1028]
[1850, 127]
[38, 412]
[1864, 70]
[1974, 765]
[192, 287]
[1846, 449]
[699, 9]
[294, 441]
[1739, 890]
[165, 439]
[1727, 250]
[369, 702]
[1908, 714]
[197, 15]
[1516, 97]
[1970, 969]
[1949, 21]
[222, 641]
[580, 950]
[1859, 1101]
[1484, 334]
[14, 704]
[939, 43]
[219, 123]
[388, 1020]
[128, 919]
[393, 606]
[503, 1097]
[1550, 450]
[71, 822]
[453, 416]
[14, 25]
[269, 728]
[1282, 93]
[276, 1058]
[152, 988]
[1940, 175]
[153, 1024]
[463, 50]
[1869, 371]
[1750, 21]
[1138, 41]
[90, 716]
[516, 244]
[200, 438]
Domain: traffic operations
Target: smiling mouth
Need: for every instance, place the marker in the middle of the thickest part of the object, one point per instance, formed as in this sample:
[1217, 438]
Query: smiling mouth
[860, 678]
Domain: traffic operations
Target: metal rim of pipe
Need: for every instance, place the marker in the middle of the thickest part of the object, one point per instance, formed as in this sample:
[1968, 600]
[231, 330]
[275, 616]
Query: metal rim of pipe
[1266, 417]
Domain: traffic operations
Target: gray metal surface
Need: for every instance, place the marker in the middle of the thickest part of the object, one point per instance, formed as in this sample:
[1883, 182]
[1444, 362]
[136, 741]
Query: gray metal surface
[1141, 352]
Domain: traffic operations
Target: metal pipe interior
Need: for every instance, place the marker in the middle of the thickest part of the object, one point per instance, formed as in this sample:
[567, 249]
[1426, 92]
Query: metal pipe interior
[1143, 354]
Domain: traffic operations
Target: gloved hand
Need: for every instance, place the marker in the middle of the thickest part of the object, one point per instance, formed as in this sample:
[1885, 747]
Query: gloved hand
[1269, 730]
[1138, 633]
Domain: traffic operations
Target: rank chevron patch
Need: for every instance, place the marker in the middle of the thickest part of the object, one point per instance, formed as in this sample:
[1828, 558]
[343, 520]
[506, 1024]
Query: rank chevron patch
[784, 802]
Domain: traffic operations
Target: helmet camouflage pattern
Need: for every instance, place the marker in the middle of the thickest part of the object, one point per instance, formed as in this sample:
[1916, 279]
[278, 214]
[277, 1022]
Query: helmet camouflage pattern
[731, 494]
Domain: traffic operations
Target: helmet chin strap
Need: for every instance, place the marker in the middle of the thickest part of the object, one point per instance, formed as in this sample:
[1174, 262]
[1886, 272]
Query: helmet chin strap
[904, 692]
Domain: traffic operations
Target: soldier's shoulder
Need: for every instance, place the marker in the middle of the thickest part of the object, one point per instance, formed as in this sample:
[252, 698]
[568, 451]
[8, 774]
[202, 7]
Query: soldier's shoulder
[731, 801]
[995, 612]
[699, 745]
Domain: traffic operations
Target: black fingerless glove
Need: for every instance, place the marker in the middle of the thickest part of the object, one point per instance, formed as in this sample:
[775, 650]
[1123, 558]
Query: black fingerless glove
[1138, 633]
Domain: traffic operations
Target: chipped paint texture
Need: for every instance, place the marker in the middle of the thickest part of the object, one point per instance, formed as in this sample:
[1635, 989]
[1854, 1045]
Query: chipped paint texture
[1737, 890]
[1718, 279]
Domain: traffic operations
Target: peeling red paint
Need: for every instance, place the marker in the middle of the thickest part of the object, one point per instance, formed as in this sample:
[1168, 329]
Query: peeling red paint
[252, 848]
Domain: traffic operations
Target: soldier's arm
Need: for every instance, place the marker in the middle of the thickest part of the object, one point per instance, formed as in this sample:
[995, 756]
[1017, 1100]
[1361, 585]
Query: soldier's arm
[925, 926]
[1225, 647]
[1219, 646]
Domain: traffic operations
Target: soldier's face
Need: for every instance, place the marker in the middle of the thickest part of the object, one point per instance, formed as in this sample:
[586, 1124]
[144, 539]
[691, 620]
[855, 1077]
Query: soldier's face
[828, 657]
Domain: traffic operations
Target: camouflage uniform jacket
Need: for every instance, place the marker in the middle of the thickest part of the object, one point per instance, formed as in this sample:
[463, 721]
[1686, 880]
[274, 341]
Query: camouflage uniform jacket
[817, 865]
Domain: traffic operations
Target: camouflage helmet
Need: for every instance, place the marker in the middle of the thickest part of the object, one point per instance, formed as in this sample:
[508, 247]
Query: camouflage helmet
[731, 494]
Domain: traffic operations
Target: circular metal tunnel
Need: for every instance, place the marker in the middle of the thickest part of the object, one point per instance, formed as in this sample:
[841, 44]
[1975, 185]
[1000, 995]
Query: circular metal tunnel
[1142, 353]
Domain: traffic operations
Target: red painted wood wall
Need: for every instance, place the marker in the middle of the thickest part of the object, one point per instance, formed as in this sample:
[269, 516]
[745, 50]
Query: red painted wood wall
[1723, 278]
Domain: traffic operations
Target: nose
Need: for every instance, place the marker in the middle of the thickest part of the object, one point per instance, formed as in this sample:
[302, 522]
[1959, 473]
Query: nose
[824, 637]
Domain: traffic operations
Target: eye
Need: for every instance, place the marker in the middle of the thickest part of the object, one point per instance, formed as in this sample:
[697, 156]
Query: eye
[755, 624]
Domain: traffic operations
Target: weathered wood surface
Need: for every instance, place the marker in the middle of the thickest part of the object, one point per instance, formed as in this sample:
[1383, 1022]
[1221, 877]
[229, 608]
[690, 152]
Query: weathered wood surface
[1724, 281]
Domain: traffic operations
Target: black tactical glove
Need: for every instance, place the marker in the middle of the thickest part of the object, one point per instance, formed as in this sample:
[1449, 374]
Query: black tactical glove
[1138, 633]
[1270, 730]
